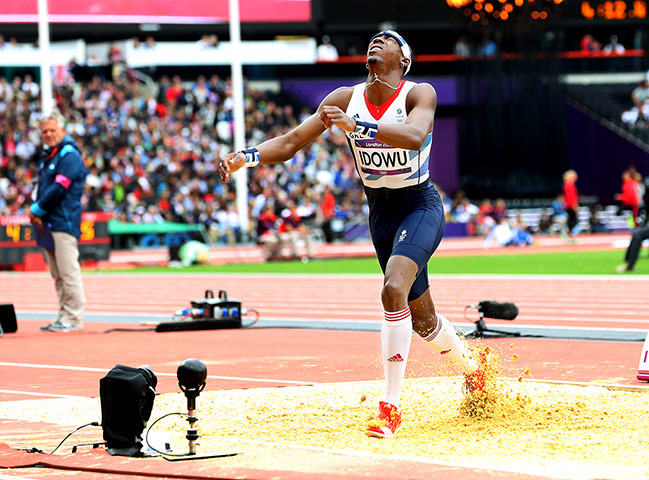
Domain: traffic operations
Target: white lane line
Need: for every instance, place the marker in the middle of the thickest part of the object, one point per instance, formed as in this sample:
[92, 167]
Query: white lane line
[38, 394]
[53, 367]
[103, 370]
[326, 318]
[11, 477]
[595, 278]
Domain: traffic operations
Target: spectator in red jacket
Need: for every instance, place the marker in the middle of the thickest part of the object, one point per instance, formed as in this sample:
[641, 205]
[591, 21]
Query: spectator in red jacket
[293, 231]
[328, 211]
[589, 44]
[571, 199]
[629, 196]
[267, 233]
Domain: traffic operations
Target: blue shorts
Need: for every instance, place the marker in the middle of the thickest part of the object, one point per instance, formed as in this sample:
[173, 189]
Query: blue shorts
[410, 222]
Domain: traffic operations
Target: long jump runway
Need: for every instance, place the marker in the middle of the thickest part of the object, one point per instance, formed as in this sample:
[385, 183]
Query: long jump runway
[315, 332]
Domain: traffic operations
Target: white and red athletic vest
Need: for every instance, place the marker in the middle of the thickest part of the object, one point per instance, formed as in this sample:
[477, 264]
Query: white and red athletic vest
[378, 164]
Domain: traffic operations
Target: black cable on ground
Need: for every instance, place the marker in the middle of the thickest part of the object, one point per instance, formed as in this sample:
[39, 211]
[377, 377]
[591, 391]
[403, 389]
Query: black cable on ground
[38, 450]
[129, 330]
[146, 437]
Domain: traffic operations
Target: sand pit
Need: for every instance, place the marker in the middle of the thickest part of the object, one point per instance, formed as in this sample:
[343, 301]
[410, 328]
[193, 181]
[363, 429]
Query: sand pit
[562, 430]
[583, 432]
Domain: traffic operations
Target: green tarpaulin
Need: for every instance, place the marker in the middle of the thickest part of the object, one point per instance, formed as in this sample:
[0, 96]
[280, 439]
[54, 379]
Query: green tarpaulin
[115, 227]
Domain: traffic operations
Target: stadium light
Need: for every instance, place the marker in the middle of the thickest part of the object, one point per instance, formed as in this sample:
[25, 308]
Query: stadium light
[486, 12]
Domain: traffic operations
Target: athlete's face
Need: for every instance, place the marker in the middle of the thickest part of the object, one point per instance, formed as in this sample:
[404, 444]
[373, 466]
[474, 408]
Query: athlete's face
[384, 47]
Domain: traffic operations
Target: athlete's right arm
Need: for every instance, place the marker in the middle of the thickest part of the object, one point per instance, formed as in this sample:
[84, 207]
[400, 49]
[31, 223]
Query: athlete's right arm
[284, 147]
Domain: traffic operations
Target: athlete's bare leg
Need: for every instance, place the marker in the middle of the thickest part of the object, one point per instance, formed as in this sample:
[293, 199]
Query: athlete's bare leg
[424, 318]
[400, 273]
[439, 332]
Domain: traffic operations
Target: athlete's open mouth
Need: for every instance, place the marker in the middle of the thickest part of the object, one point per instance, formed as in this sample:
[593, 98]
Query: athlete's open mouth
[376, 47]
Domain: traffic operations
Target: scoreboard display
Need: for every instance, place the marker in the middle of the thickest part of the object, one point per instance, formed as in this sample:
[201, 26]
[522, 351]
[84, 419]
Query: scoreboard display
[17, 237]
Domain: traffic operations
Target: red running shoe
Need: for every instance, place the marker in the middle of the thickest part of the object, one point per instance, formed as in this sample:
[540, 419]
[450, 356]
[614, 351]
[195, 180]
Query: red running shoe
[387, 422]
[477, 381]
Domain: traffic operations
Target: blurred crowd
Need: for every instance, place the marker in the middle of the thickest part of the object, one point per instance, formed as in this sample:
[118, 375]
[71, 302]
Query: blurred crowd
[501, 226]
[152, 155]
[590, 44]
[638, 115]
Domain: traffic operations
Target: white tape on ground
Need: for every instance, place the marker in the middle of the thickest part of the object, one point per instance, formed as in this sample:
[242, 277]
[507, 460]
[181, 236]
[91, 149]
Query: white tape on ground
[103, 370]
[12, 477]
[39, 394]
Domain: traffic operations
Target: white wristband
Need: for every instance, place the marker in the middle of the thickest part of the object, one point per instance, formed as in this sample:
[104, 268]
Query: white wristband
[252, 157]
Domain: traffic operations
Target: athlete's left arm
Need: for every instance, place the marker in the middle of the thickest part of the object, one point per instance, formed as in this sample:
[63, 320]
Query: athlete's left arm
[420, 105]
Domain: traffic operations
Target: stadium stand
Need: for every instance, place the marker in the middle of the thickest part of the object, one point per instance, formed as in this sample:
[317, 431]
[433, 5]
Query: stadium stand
[606, 101]
[151, 155]
[152, 144]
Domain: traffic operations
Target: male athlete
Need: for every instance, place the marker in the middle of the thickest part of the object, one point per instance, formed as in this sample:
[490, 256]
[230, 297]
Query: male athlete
[388, 123]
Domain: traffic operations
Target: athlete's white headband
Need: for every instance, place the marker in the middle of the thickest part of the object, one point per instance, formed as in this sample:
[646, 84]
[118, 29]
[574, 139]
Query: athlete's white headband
[405, 48]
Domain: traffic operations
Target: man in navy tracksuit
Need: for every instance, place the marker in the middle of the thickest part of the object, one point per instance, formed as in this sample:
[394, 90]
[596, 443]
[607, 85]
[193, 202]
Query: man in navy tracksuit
[57, 208]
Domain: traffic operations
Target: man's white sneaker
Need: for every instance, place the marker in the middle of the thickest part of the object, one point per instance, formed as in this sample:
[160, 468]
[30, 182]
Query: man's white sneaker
[61, 327]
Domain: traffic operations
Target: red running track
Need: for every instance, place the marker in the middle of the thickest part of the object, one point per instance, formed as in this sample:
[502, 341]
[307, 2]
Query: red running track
[549, 301]
[35, 364]
[72, 363]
